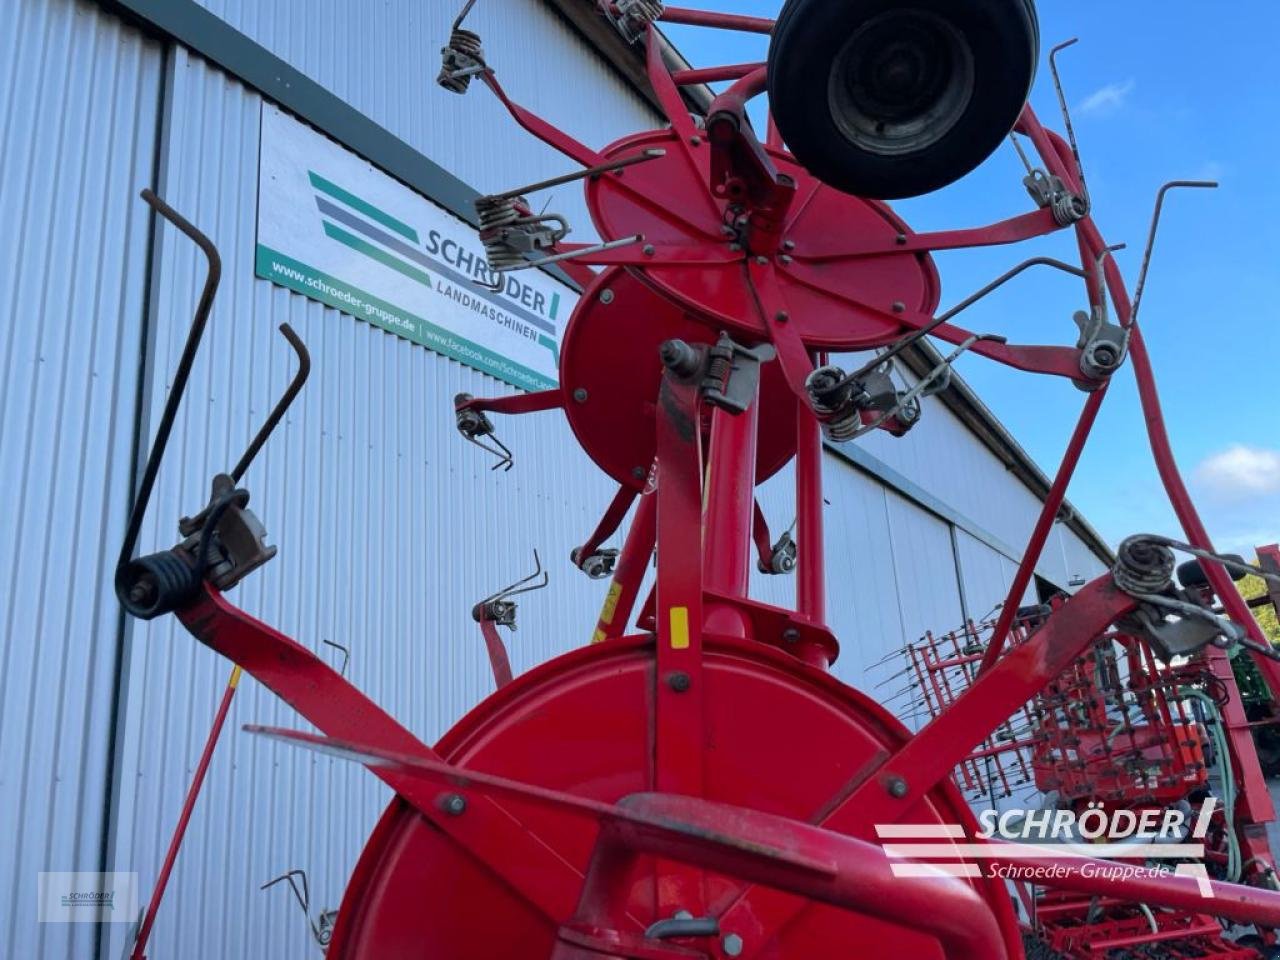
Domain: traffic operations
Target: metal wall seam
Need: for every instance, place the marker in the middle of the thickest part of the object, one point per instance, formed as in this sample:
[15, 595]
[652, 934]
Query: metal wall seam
[389, 528]
[76, 136]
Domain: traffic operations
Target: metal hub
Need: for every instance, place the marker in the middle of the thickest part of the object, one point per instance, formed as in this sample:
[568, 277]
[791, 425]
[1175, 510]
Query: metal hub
[900, 82]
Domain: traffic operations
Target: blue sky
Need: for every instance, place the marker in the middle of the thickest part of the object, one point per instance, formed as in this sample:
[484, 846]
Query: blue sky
[1158, 91]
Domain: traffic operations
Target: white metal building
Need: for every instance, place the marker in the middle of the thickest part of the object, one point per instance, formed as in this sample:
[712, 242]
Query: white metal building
[389, 526]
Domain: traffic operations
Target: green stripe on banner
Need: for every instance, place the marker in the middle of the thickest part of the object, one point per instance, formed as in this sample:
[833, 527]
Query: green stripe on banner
[295, 275]
[368, 209]
[545, 341]
[376, 253]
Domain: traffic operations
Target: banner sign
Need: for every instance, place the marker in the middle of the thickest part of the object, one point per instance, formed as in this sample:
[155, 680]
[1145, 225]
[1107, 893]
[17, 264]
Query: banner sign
[335, 228]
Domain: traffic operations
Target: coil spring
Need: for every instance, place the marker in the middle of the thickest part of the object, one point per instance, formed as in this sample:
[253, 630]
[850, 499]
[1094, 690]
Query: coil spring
[1068, 208]
[840, 420]
[494, 214]
[634, 17]
[1143, 566]
[462, 52]
[719, 367]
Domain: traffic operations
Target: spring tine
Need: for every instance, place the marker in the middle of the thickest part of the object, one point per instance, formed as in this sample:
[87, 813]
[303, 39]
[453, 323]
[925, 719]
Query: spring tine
[897, 347]
[346, 655]
[1151, 236]
[524, 585]
[1022, 154]
[183, 372]
[282, 405]
[570, 254]
[304, 897]
[466, 8]
[527, 585]
[1066, 113]
[653, 153]
[498, 449]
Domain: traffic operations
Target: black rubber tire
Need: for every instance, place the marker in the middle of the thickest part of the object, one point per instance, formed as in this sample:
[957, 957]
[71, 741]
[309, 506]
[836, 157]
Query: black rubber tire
[1003, 40]
[1191, 574]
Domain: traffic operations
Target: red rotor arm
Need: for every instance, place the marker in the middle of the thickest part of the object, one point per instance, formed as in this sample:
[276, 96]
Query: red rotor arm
[803, 860]
[316, 691]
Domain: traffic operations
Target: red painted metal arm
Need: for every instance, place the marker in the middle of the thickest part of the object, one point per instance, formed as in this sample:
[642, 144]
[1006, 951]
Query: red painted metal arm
[317, 692]
[544, 131]
[811, 573]
[637, 549]
[613, 515]
[1044, 524]
[517, 402]
[760, 536]
[499, 662]
[1098, 878]
[831, 868]
[657, 255]
[184, 818]
[732, 71]
[1026, 226]
[679, 723]
[722, 21]
[893, 786]
[763, 848]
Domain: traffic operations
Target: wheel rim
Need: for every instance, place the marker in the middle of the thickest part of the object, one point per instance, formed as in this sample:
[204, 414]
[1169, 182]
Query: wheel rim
[901, 82]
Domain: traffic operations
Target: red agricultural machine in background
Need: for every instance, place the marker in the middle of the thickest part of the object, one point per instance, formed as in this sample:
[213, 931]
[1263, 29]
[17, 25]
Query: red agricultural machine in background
[698, 785]
[1121, 730]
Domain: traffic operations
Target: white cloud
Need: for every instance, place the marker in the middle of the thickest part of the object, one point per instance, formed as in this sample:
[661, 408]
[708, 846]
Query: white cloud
[1107, 99]
[1246, 543]
[1211, 170]
[1240, 472]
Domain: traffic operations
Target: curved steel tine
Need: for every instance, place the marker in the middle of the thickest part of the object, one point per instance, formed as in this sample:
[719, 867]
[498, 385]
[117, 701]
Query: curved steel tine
[652, 153]
[282, 405]
[499, 449]
[1066, 113]
[1151, 235]
[346, 655]
[527, 585]
[1022, 154]
[466, 8]
[917, 335]
[204, 307]
[304, 898]
[523, 585]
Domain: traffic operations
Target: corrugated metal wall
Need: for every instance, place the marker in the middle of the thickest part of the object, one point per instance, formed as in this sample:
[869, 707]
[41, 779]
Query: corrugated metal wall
[389, 526]
[385, 66]
[77, 139]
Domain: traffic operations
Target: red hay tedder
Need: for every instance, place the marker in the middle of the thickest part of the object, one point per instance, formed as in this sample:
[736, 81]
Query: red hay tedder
[698, 785]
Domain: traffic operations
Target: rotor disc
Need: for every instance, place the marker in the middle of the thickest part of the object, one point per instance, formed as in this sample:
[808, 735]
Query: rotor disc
[834, 304]
[415, 894]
